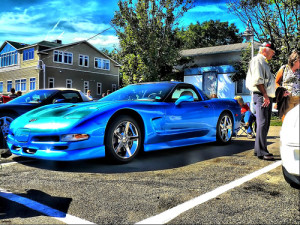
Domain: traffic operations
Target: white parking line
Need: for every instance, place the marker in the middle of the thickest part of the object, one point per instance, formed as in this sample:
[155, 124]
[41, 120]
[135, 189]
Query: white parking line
[170, 214]
[56, 214]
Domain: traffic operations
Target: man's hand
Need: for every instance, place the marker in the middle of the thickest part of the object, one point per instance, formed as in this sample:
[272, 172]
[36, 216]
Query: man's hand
[266, 101]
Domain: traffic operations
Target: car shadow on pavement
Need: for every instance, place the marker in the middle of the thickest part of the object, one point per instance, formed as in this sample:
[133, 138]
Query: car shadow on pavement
[10, 209]
[149, 161]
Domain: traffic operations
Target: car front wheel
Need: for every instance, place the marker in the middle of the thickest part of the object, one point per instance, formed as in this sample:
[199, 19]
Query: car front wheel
[5, 121]
[224, 128]
[123, 139]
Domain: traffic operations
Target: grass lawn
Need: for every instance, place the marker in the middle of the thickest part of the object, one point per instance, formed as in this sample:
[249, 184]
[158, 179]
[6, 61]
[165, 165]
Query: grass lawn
[275, 121]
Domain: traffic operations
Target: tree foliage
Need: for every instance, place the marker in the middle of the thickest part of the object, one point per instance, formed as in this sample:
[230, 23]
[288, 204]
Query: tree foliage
[145, 29]
[277, 21]
[207, 34]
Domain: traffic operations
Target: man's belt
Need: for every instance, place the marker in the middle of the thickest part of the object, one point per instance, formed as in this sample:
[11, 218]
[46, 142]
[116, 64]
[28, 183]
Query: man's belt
[258, 93]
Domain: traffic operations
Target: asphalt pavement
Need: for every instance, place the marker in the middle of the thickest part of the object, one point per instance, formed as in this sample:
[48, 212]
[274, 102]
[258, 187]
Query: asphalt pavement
[99, 192]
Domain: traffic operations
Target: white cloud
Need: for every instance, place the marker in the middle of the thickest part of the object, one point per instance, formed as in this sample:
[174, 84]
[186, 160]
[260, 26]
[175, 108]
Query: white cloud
[206, 9]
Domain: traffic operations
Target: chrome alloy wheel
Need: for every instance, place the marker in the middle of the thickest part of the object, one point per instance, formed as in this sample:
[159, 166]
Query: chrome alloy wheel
[125, 139]
[225, 128]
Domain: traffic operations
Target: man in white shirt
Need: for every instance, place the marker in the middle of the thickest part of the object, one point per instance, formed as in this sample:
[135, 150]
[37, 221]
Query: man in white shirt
[261, 82]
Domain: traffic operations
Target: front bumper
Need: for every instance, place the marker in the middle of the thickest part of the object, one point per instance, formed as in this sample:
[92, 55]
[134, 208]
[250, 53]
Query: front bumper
[58, 151]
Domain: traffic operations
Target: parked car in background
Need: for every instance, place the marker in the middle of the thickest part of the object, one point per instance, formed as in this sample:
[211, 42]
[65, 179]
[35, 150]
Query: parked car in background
[148, 116]
[290, 147]
[22, 104]
[4, 99]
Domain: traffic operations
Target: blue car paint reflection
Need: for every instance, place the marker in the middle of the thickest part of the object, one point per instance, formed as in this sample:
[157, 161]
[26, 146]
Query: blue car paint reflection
[165, 119]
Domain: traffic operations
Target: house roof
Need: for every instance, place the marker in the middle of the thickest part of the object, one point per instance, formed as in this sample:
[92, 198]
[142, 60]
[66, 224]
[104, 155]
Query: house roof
[48, 44]
[16, 45]
[217, 49]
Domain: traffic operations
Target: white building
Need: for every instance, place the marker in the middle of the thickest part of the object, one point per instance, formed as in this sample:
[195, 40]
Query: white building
[212, 67]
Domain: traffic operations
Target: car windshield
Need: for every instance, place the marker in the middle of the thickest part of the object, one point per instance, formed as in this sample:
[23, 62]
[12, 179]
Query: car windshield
[141, 92]
[37, 96]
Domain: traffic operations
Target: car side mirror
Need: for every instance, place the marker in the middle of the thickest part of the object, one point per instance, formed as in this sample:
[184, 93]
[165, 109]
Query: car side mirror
[184, 98]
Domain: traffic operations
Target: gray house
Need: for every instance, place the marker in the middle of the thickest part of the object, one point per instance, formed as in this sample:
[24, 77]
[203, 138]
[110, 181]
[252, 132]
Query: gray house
[212, 67]
[53, 64]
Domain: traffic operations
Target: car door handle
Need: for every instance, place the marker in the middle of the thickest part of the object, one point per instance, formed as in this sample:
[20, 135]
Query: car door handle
[206, 106]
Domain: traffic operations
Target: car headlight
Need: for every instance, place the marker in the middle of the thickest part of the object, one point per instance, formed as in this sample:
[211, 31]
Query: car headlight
[74, 137]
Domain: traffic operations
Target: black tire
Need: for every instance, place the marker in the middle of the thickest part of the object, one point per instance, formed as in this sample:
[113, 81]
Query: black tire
[224, 128]
[123, 139]
[5, 121]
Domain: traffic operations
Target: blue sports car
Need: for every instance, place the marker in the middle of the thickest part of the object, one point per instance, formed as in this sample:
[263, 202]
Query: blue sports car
[148, 116]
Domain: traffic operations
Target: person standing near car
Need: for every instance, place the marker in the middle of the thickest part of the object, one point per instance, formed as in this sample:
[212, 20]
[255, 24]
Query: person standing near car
[13, 93]
[88, 94]
[261, 82]
[288, 78]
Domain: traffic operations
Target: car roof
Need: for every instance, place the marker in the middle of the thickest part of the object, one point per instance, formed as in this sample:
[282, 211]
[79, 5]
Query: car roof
[161, 82]
[59, 89]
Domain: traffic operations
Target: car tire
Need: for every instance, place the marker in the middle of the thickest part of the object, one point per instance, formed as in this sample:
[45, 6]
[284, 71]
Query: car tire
[5, 121]
[123, 139]
[224, 128]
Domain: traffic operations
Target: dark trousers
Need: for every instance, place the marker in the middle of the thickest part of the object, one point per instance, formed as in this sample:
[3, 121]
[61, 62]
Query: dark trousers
[263, 118]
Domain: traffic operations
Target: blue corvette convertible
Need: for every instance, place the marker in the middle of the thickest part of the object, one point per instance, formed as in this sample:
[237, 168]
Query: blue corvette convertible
[148, 116]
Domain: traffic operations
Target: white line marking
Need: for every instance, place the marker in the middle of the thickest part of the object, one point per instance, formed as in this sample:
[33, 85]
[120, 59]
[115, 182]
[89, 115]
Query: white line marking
[46, 210]
[170, 214]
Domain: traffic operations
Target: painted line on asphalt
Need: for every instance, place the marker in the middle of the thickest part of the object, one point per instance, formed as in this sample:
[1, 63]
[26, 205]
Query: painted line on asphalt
[46, 210]
[172, 213]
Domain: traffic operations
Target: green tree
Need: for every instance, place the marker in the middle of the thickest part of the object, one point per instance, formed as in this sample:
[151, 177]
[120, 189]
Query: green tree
[277, 21]
[208, 33]
[145, 29]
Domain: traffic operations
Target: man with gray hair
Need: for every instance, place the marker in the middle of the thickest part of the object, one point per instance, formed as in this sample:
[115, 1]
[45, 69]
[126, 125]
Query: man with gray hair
[261, 82]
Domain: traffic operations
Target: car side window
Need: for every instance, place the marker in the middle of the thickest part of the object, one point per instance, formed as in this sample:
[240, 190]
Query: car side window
[71, 97]
[184, 91]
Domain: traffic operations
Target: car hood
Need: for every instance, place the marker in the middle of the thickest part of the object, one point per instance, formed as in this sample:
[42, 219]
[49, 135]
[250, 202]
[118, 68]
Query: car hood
[59, 116]
[22, 107]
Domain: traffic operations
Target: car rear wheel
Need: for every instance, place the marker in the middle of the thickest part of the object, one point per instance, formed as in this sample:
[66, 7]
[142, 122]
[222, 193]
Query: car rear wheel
[123, 139]
[5, 121]
[224, 128]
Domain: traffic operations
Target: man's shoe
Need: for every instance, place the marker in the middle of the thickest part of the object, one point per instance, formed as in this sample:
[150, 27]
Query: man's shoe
[266, 157]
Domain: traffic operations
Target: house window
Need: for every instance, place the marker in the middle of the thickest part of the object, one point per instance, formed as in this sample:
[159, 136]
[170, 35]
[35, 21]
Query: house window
[50, 82]
[18, 85]
[241, 87]
[1, 86]
[63, 57]
[86, 86]
[102, 63]
[23, 84]
[99, 88]
[68, 83]
[113, 87]
[32, 84]
[105, 64]
[8, 59]
[9, 85]
[28, 54]
[83, 60]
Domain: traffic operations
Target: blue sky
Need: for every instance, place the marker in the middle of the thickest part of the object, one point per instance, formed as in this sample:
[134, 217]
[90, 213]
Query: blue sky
[31, 21]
